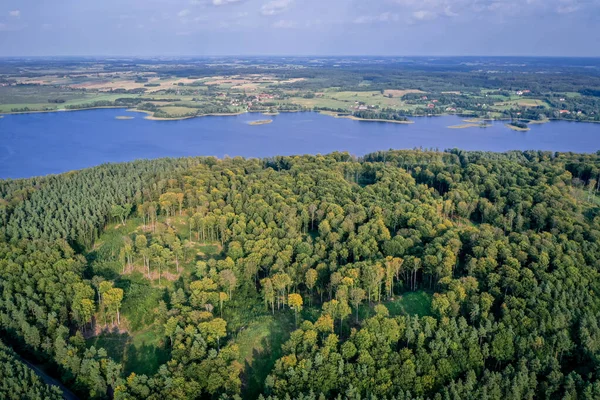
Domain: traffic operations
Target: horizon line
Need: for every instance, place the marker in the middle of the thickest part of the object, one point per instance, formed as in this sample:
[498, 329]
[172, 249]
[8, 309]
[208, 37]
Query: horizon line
[294, 56]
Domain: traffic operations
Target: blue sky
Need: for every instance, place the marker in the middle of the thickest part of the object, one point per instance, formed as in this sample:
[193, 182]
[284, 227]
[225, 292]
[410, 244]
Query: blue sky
[299, 27]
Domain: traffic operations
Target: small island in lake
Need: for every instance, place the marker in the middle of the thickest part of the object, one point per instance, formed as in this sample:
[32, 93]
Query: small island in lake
[260, 122]
[470, 125]
[518, 126]
[124, 117]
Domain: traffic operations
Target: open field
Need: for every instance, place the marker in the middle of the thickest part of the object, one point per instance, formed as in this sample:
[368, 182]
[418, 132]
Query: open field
[178, 111]
[231, 88]
[522, 103]
[400, 93]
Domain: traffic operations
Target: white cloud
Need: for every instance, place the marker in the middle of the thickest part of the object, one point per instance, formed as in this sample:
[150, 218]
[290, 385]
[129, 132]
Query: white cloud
[12, 27]
[224, 2]
[449, 13]
[284, 24]
[567, 9]
[314, 22]
[567, 6]
[383, 17]
[431, 9]
[423, 15]
[276, 7]
[183, 13]
[15, 13]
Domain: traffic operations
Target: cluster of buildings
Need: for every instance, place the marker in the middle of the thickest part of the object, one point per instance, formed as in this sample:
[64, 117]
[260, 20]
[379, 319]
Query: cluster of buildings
[362, 107]
[522, 92]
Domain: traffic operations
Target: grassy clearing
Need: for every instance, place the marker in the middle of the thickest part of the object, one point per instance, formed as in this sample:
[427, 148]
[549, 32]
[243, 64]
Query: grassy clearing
[400, 93]
[583, 196]
[141, 349]
[146, 352]
[140, 300]
[520, 103]
[370, 98]
[142, 353]
[260, 346]
[322, 102]
[411, 303]
[178, 111]
[114, 344]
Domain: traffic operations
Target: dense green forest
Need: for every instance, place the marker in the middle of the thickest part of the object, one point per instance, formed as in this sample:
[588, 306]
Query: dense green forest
[17, 381]
[400, 275]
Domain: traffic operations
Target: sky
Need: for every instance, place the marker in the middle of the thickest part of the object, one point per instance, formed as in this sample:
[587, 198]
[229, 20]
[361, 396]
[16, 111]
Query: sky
[299, 27]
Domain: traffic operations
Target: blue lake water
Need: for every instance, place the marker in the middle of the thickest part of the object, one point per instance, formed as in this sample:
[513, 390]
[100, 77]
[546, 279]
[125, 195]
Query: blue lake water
[48, 143]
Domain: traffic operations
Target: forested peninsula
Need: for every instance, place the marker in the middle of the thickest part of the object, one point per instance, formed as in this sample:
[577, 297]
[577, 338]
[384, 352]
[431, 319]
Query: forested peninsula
[399, 275]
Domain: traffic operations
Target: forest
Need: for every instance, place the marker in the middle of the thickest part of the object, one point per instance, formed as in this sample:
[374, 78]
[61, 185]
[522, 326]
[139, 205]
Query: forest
[412, 274]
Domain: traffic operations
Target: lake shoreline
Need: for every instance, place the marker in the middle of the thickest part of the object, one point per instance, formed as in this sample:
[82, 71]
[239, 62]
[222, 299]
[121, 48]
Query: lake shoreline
[353, 118]
[55, 143]
[327, 113]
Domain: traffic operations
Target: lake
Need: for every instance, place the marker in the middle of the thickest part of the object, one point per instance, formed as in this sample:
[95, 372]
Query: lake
[49, 143]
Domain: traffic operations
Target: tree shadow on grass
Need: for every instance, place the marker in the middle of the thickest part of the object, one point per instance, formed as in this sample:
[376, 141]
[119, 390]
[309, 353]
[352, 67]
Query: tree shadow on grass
[113, 341]
[256, 373]
[141, 359]
[263, 361]
[144, 359]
